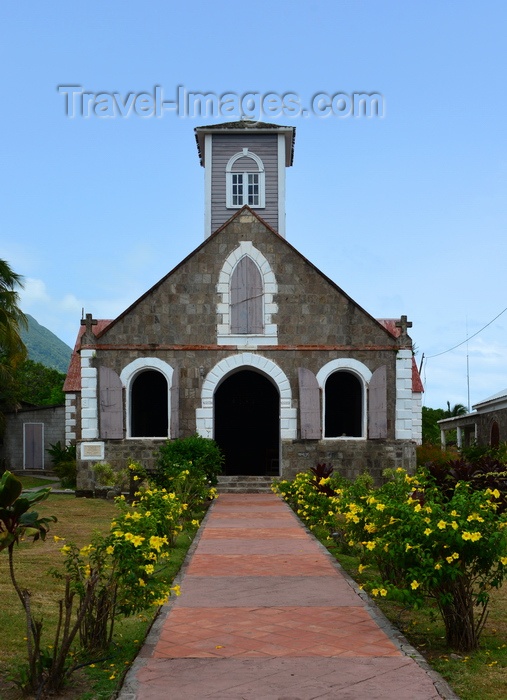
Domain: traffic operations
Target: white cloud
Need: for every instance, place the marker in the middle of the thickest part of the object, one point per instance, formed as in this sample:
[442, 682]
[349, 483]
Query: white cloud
[33, 293]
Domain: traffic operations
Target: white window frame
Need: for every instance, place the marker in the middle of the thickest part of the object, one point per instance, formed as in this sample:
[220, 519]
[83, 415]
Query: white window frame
[229, 186]
[363, 374]
[129, 374]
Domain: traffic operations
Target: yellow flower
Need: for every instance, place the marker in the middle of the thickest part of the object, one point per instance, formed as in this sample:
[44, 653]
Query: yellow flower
[415, 584]
[110, 550]
[438, 565]
[454, 525]
[418, 507]
[136, 478]
[137, 540]
[428, 531]
[475, 516]
[503, 561]
[58, 539]
[362, 567]
[141, 583]
[380, 506]
[442, 525]
[370, 545]
[65, 549]
[472, 536]
[383, 592]
[149, 568]
[375, 592]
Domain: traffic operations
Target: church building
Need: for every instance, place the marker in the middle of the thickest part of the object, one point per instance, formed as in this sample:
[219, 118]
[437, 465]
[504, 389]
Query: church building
[247, 342]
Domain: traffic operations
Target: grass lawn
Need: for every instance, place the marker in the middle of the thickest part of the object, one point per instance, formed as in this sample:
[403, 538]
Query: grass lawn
[33, 482]
[78, 518]
[481, 675]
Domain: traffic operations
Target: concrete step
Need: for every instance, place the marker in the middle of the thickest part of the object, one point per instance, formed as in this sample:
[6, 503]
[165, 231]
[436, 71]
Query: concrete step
[244, 484]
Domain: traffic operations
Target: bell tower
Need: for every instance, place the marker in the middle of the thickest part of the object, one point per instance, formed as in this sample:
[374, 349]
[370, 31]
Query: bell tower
[244, 165]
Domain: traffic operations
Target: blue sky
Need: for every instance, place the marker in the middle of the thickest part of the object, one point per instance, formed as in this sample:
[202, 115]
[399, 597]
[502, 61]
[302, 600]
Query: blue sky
[407, 213]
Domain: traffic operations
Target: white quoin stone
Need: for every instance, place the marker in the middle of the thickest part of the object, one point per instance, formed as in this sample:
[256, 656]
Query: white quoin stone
[90, 415]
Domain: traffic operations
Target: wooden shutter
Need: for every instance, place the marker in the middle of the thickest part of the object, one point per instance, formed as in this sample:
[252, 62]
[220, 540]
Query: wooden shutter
[309, 405]
[377, 409]
[246, 298]
[110, 404]
[174, 428]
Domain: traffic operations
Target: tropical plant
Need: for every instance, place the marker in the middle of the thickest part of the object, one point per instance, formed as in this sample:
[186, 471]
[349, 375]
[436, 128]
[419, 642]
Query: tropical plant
[64, 463]
[12, 348]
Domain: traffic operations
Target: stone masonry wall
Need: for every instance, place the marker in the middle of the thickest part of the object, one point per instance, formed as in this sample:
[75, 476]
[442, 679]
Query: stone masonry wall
[350, 458]
[53, 419]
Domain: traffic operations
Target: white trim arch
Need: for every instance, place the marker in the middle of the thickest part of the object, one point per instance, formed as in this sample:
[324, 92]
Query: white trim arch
[130, 372]
[270, 335]
[364, 375]
[261, 181]
[246, 360]
[245, 153]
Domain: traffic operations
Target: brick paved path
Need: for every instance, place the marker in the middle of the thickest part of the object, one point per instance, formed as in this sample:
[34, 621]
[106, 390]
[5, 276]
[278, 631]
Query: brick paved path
[266, 614]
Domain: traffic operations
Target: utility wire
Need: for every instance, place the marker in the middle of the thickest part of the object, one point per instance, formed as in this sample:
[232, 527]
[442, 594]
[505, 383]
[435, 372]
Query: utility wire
[467, 339]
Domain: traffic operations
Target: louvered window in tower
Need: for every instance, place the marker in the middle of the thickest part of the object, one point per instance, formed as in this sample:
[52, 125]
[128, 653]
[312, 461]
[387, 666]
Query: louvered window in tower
[246, 298]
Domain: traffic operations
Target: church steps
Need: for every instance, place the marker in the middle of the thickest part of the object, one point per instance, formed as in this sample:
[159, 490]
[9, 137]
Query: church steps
[244, 484]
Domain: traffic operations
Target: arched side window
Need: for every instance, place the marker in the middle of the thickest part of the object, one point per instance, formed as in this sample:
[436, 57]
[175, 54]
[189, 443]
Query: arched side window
[149, 415]
[494, 440]
[152, 398]
[246, 298]
[343, 405]
[344, 384]
[246, 288]
[245, 181]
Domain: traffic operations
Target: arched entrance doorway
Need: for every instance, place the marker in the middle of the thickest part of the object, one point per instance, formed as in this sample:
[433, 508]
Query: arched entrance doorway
[247, 423]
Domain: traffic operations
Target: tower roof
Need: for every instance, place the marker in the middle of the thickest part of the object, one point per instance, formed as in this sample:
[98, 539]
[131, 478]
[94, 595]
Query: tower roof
[252, 127]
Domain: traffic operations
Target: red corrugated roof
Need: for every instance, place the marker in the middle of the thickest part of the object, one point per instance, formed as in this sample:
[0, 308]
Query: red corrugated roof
[73, 379]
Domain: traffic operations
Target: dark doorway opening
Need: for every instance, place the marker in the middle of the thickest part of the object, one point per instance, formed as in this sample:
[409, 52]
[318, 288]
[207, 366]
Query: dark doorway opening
[344, 405]
[149, 405]
[247, 424]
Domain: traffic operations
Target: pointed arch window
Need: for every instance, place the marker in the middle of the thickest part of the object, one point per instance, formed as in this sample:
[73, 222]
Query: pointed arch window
[246, 298]
[245, 181]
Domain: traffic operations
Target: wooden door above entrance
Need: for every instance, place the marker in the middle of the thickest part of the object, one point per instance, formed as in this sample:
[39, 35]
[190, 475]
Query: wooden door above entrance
[247, 424]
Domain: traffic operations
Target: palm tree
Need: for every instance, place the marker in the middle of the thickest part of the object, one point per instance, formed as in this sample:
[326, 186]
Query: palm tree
[457, 410]
[12, 319]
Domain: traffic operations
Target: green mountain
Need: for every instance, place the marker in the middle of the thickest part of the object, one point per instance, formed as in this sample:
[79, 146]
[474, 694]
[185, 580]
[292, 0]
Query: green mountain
[44, 347]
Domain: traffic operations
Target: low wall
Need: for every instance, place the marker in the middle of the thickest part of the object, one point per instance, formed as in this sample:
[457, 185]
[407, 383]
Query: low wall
[349, 458]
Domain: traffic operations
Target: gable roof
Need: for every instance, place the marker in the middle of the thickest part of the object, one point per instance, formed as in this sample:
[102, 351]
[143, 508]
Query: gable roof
[73, 379]
[100, 330]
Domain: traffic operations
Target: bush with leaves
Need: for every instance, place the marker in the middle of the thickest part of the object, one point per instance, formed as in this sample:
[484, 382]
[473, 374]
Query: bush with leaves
[444, 540]
[64, 463]
[202, 456]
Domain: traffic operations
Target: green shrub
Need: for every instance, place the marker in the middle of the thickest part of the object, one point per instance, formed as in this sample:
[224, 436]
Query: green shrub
[201, 456]
[440, 535]
[64, 463]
